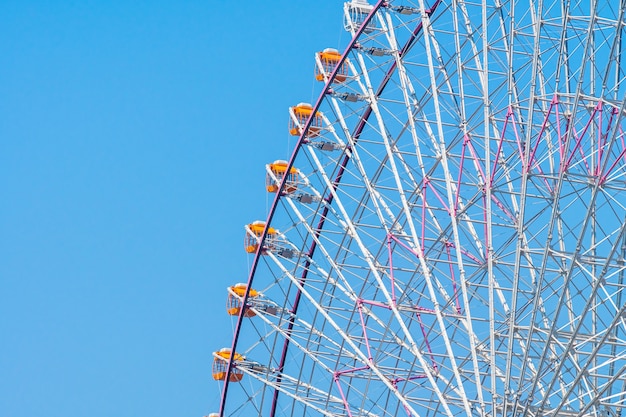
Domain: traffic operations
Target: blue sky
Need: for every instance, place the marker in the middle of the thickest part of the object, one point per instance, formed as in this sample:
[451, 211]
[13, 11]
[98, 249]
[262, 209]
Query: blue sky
[133, 142]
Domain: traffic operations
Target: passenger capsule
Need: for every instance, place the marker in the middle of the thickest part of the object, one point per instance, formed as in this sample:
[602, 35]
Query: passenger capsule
[275, 174]
[299, 116]
[254, 231]
[220, 366]
[355, 13]
[234, 303]
[326, 61]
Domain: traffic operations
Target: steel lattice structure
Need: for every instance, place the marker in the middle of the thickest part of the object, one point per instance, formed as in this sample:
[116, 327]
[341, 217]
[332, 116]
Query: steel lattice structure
[456, 241]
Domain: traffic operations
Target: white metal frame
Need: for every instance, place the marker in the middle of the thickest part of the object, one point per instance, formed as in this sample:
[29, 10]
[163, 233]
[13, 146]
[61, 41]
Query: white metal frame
[463, 250]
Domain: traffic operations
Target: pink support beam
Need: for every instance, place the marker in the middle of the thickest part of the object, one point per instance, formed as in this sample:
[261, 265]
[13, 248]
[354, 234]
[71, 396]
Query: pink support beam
[500, 141]
[602, 143]
[423, 215]
[602, 140]
[364, 328]
[374, 303]
[620, 156]
[599, 142]
[485, 226]
[582, 155]
[554, 102]
[559, 135]
[393, 284]
[343, 396]
[443, 204]
[406, 409]
[404, 245]
[351, 371]
[425, 310]
[410, 378]
[519, 141]
[578, 142]
[608, 171]
[479, 168]
[469, 255]
[432, 358]
[501, 206]
[456, 295]
[461, 164]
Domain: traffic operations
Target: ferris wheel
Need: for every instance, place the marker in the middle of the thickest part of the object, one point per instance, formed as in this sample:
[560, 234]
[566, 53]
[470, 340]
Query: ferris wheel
[449, 235]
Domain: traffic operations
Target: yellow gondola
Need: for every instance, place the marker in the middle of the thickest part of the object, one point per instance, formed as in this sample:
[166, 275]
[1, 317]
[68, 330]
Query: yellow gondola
[299, 116]
[233, 305]
[220, 366]
[253, 234]
[327, 60]
[278, 169]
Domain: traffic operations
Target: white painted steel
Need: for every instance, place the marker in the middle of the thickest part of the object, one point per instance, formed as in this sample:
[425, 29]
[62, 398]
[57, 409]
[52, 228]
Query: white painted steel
[462, 249]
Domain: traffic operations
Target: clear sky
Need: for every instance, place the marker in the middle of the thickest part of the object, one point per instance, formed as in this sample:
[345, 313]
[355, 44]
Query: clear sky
[133, 141]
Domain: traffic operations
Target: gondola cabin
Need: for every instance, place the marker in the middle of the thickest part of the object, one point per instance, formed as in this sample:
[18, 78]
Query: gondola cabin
[220, 366]
[254, 231]
[235, 296]
[299, 115]
[355, 13]
[326, 62]
[276, 171]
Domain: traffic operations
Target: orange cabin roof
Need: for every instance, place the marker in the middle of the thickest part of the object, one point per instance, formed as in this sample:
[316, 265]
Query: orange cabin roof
[240, 290]
[258, 227]
[281, 167]
[304, 109]
[225, 353]
[330, 54]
